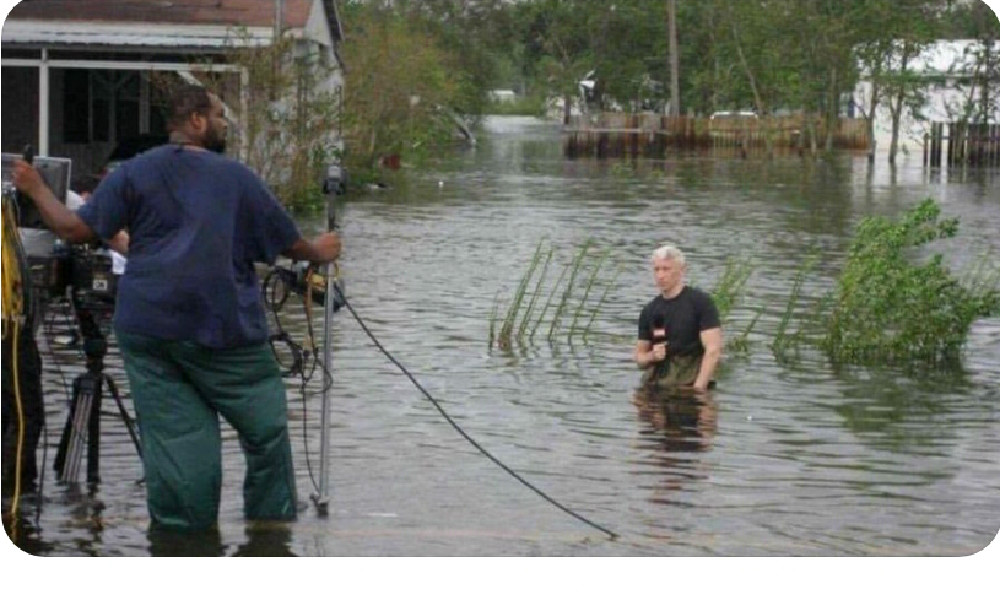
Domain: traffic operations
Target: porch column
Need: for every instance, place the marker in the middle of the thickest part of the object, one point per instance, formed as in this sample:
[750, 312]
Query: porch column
[244, 114]
[144, 96]
[43, 104]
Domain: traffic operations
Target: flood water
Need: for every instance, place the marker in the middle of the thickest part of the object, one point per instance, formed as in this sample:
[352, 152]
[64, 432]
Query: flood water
[782, 458]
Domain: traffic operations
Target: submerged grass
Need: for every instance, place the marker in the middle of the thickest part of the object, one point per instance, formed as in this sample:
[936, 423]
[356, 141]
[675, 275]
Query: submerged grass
[782, 342]
[520, 320]
[507, 328]
[586, 291]
[548, 303]
[600, 303]
[731, 284]
[568, 291]
[535, 293]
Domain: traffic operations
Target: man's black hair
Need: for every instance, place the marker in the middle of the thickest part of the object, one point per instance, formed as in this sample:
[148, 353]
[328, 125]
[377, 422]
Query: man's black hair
[187, 100]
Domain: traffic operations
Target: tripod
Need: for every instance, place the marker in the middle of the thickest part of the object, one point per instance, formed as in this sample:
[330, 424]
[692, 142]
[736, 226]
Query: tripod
[83, 424]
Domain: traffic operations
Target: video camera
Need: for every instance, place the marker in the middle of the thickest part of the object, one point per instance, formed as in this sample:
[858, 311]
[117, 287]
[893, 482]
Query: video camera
[54, 265]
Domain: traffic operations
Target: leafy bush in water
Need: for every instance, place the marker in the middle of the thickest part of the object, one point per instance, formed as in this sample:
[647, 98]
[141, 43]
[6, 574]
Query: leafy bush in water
[886, 308]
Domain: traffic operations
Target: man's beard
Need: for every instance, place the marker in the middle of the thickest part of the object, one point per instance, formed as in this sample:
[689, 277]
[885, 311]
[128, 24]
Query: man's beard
[216, 142]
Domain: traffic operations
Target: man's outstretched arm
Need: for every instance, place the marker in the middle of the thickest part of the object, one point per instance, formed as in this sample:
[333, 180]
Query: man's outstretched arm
[61, 220]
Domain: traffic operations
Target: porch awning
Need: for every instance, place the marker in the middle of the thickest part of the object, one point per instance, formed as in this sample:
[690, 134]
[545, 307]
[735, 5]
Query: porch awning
[133, 35]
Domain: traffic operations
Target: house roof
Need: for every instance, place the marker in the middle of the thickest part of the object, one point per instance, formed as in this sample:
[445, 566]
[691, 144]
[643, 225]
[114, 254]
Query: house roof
[944, 57]
[246, 13]
[197, 24]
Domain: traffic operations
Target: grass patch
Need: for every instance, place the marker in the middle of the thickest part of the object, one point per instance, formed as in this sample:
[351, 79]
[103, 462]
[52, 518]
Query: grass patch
[570, 300]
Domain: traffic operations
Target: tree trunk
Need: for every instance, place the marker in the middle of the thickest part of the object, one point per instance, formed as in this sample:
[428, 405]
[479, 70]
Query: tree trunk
[813, 133]
[675, 93]
[896, 106]
[567, 108]
[832, 111]
[872, 104]
[987, 72]
[758, 99]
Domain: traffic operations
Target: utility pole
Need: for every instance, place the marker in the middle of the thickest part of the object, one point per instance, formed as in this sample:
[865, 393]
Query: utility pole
[279, 9]
[279, 6]
[675, 92]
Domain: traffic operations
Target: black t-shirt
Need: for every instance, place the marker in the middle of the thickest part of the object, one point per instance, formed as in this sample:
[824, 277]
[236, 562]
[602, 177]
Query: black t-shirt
[683, 317]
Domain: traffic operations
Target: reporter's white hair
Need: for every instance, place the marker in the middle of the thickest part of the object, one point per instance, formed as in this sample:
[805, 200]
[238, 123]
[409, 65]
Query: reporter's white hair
[669, 251]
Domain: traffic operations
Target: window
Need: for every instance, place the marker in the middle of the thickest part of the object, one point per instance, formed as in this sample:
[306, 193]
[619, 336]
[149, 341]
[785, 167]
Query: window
[76, 106]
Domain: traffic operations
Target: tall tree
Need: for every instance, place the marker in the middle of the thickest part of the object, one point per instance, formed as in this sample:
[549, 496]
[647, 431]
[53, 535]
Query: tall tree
[910, 30]
[398, 82]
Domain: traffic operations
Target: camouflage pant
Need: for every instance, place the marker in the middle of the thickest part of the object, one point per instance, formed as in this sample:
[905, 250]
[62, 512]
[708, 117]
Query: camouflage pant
[675, 371]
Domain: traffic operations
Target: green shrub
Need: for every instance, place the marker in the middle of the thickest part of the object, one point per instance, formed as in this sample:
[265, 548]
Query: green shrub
[886, 308]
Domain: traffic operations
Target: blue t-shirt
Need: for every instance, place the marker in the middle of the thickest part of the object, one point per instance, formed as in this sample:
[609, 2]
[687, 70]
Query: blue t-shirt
[197, 222]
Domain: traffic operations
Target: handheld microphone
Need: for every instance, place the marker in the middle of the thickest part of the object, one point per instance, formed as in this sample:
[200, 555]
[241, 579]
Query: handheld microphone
[659, 329]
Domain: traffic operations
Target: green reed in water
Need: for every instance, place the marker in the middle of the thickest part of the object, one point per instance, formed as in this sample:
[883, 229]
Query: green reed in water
[600, 302]
[731, 283]
[535, 293]
[586, 292]
[782, 342]
[568, 291]
[520, 314]
[507, 328]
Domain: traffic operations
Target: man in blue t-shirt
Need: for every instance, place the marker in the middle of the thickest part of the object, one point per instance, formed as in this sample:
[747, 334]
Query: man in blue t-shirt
[680, 338]
[189, 318]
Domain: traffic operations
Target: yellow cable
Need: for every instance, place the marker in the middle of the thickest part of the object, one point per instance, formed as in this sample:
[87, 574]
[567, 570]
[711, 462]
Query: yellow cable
[13, 306]
[20, 431]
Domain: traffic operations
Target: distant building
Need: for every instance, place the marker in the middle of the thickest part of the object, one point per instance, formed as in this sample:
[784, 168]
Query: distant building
[502, 96]
[949, 68]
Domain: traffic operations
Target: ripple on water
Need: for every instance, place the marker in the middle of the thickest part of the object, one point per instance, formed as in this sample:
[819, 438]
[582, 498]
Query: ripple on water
[786, 459]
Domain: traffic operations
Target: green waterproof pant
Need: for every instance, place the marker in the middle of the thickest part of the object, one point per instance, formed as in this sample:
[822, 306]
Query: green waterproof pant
[180, 388]
[677, 371]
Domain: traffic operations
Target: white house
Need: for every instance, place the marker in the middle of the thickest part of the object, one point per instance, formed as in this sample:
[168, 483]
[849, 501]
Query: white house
[949, 67]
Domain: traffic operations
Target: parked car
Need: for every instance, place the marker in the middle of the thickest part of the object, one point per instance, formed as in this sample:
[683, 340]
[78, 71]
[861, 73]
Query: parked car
[744, 114]
[720, 122]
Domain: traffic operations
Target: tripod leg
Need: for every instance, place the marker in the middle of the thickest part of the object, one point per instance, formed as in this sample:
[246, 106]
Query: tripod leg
[67, 433]
[83, 396]
[129, 425]
[94, 429]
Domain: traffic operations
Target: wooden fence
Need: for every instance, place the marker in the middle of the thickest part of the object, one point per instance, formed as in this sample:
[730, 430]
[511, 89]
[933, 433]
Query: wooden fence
[650, 134]
[964, 144]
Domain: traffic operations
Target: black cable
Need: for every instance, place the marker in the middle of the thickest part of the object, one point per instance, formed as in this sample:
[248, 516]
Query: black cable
[50, 326]
[274, 302]
[305, 425]
[454, 425]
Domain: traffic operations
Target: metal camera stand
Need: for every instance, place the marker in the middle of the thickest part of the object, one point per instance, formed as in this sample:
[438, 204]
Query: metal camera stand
[83, 424]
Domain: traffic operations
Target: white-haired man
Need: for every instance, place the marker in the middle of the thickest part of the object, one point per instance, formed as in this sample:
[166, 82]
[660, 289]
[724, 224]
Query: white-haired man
[680, 337]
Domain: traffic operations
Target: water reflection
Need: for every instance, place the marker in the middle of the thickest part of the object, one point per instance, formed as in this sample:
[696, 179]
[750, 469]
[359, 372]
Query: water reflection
[682, 420]
[271, 539]
[262, 539]
[25, 532]
[167, 542]
[882, 409]
[675, 424]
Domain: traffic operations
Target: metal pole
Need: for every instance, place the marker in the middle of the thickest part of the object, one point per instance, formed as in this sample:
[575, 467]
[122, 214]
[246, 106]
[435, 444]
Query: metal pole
[43, 104]
[322, 498]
